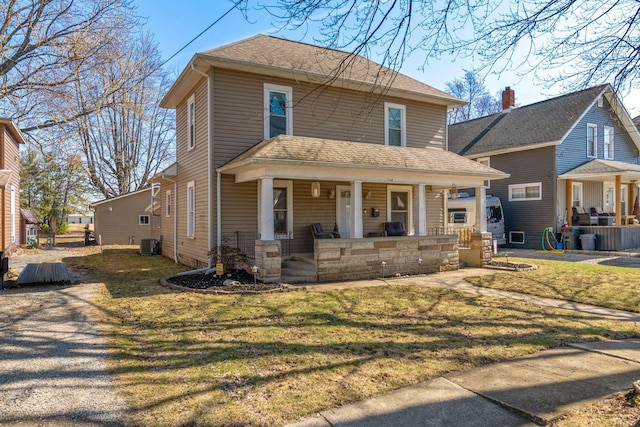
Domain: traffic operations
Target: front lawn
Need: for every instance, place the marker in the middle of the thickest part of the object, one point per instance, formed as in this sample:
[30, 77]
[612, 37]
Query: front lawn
[263, 360]
[606, 286]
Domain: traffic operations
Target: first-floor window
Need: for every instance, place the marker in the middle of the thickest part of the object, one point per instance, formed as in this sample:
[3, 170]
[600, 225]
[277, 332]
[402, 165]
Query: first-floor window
[191, 209]
[282, 208]
[523, 192]
[143, 220]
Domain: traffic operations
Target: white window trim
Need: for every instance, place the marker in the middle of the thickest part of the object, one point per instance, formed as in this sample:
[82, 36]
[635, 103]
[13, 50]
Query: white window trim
[279, 183]
[191, 122]
[141, 220]
[511, 233]
[191, 211]
[270, 87]
[608, 144]
[168, 205]
[529, 184]
[573, 193]
[403, 123]
[487, 162]
[407, 189]
[595, 140]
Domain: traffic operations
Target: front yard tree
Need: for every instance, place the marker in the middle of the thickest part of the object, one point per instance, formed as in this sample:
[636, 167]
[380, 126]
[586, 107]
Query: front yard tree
[577, 42]
[479, 101]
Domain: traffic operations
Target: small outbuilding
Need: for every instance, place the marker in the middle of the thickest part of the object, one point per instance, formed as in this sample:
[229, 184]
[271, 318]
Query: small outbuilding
[29, 227]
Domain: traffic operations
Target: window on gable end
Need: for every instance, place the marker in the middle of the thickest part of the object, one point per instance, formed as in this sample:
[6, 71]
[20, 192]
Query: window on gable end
[191, 122]
[607, 137]
[278, 110]
[592, 140]
[395, 125]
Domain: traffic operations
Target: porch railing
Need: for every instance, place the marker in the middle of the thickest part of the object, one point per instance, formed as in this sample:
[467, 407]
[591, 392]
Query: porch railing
[464, 233]
[245, 241]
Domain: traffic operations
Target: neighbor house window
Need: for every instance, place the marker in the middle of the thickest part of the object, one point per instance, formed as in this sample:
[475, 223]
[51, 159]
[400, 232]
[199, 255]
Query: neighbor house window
[191, 122]
[394, 124]
[592, 140]
[577, 194]
[168, 202]
[607, 137]
[523, 192]
[400, 205]
[191, 209]
[143, 220]
[485, 161]
[282, 209]
[278, 110]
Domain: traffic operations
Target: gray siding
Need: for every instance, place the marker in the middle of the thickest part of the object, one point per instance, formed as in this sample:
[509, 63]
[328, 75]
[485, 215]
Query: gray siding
[572, 152]
[531, 217]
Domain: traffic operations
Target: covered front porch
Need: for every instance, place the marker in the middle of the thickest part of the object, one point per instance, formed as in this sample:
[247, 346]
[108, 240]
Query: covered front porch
[607, 190]
[352, 190]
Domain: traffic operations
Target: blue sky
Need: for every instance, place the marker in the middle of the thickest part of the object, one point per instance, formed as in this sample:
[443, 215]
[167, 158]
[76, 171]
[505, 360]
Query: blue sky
[175, 24]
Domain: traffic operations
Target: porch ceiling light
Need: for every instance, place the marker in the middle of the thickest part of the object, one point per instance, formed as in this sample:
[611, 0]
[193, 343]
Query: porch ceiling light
[454, 192]
[315, 188]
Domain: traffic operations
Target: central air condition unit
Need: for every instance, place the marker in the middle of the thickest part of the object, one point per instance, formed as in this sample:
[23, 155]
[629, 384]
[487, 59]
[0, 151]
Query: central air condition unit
[147, 246]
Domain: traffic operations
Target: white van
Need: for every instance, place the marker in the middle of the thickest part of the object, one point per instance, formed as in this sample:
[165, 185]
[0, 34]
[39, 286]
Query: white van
[462, 213]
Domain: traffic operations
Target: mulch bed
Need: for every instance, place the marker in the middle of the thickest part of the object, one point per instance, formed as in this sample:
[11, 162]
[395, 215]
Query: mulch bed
[233, 281]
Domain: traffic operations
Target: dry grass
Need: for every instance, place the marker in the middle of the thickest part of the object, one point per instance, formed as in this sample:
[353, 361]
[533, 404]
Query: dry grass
[602, 285]
[263, 360]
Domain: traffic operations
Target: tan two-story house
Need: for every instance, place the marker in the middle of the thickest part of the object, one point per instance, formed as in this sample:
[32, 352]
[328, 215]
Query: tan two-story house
[10, 140]
[274, 136]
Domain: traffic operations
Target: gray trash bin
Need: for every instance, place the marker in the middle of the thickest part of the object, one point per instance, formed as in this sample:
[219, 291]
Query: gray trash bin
[588, 242]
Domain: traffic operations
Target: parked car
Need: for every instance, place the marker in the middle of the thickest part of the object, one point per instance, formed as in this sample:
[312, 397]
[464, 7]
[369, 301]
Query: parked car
[462, 213]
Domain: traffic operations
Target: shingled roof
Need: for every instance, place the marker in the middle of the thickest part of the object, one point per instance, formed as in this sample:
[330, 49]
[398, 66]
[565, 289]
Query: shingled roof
[337, 154]
[269, 55]
[546, 122]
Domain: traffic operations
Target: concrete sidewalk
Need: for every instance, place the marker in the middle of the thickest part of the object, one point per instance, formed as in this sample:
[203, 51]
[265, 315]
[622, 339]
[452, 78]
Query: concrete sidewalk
[530, 390]
[527, 391]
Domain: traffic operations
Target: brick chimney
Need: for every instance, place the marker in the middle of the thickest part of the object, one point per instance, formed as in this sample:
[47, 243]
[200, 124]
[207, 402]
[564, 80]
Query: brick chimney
[508, 98]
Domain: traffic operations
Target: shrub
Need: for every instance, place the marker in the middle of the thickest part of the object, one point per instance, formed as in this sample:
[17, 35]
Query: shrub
[229, 256]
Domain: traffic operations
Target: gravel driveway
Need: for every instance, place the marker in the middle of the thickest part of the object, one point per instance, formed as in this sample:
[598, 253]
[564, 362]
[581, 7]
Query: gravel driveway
[52, 357]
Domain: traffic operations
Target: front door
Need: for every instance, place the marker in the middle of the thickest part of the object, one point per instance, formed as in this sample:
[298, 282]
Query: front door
[343, 210]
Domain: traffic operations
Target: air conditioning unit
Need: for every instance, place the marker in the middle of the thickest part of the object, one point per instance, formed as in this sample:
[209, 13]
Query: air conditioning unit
[147, 246]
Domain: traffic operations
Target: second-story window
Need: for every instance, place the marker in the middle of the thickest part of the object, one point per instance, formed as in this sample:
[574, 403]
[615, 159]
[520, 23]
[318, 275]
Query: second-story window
[191, 122]
[592, 140]
[394, 124]
[607, 137]
[278, 111]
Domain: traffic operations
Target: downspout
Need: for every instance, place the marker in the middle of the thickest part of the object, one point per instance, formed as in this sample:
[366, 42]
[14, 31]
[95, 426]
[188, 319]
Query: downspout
[175, 217]
[209, 164]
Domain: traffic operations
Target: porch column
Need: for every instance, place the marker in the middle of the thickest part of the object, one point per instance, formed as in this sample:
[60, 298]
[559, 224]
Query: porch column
[266, 208]
[356, 210]
[481, 209]
[618, 204]
[569, 201]
[422, 211]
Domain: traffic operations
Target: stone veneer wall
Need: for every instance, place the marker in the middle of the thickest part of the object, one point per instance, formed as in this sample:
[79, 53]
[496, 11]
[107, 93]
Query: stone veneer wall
[479, 252]
[268, 259]
[350, 259]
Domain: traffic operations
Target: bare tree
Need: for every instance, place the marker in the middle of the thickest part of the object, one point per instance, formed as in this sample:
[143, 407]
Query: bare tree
[479, 101]
[41, 41]
[131, 138]
[600, 40]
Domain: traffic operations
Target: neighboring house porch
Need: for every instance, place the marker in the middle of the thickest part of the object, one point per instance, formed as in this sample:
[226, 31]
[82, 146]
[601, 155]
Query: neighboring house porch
[611, 187]
[353, 189]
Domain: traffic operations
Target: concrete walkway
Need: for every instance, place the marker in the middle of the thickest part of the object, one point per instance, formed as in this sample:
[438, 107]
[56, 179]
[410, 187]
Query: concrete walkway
[531, 390]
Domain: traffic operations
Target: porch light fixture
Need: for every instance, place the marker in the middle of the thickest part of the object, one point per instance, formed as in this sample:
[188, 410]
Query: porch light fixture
[332, 193]
[454, 192]
[315, 188]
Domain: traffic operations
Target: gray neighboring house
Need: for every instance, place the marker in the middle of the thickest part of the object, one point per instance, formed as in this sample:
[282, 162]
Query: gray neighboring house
[579, 149]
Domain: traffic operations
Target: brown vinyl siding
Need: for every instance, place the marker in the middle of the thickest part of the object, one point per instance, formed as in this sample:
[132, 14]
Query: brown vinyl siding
[435, 210]
[117, 220]
[11, 161]
[192, 166]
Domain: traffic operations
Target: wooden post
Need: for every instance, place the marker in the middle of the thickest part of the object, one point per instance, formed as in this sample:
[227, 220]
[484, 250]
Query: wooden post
[569, 201]
[618, 204]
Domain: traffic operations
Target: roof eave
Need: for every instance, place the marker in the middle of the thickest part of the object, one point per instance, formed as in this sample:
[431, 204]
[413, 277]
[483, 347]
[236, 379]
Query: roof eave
[13, 130]
[513, 150]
